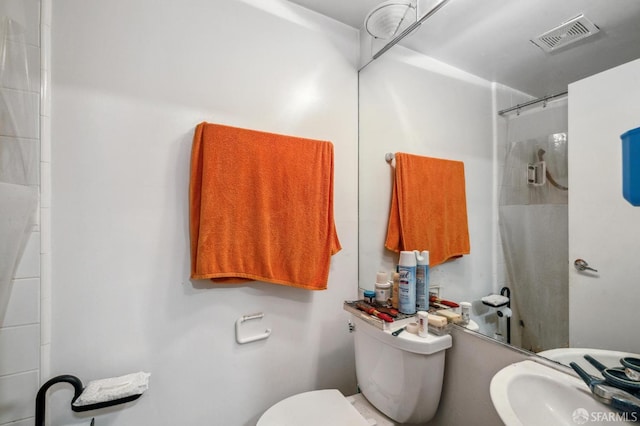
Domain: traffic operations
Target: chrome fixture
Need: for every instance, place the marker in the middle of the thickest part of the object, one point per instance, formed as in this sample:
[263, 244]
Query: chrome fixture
[582, 265]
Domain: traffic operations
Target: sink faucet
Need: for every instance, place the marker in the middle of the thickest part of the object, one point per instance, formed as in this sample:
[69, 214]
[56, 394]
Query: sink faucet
[615, 397]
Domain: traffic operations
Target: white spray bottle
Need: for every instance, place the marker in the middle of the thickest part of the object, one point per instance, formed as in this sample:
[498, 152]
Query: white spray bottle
[407, 285]
[422, 280]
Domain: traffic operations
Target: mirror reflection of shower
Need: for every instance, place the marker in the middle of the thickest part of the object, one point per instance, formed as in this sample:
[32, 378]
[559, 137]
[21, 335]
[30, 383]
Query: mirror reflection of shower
[550, 178]
[533, 223]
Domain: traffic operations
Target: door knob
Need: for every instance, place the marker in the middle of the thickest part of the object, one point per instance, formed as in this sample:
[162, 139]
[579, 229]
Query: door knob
[582, 265]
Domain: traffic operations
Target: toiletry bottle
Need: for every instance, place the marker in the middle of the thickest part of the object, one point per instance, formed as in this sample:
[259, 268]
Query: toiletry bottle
[394, 290]
[407, 285]
[465, 311]
[422, 281]
[423, 323]
[383, 288]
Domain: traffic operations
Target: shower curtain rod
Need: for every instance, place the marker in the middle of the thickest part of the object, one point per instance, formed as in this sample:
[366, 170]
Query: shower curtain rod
[533, 102]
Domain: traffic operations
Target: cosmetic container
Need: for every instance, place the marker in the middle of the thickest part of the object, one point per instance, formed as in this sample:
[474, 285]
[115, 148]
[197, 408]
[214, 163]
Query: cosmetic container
[383, 288]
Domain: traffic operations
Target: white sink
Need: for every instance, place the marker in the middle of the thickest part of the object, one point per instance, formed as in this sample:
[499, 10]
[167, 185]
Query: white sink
[529, 393]
[567, 355]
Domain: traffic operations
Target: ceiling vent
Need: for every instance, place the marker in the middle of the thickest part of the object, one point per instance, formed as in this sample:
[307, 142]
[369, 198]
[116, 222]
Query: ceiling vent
[567, 33]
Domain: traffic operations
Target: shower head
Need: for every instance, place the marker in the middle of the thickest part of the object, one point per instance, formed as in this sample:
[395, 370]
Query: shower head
[386, 19]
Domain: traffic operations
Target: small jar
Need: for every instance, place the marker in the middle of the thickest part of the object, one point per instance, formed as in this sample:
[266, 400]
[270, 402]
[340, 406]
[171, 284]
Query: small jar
[465, 311]
[383, 288]
[369, 296]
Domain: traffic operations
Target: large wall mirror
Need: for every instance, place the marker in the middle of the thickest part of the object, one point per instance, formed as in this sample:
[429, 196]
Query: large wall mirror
[480, 82]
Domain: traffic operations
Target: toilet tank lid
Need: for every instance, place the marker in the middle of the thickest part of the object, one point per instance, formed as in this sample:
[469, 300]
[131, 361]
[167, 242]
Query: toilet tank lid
[406, 341]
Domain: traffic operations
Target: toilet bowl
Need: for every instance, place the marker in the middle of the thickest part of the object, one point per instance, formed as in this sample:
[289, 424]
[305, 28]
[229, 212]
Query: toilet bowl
[315, 408]
[400, 377]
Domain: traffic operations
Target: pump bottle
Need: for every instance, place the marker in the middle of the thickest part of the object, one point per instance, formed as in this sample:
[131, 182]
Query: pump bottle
[422, 281]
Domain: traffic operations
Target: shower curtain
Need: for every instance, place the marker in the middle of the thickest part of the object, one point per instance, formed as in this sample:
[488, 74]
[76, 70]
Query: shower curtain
[19, 156]
[534, 230]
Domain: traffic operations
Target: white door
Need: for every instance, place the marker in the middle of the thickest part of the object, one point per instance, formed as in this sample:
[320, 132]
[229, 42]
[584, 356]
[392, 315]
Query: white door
[604, 229]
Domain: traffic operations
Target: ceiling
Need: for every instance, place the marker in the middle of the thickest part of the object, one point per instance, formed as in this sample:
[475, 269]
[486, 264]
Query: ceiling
[491, 38]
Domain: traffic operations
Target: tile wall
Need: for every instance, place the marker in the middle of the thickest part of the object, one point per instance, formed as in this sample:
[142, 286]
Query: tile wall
[21, 332]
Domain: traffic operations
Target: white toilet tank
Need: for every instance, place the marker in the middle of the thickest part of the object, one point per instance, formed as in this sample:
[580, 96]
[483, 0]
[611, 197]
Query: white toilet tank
[401, 376]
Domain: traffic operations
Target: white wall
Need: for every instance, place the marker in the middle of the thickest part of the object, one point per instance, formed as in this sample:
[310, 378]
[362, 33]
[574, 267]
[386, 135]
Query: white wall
[130, 80]
[470, 364]
[411, 103]
[21, 331]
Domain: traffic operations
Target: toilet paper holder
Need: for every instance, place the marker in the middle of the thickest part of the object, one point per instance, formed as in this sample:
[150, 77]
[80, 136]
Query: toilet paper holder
[242, 340]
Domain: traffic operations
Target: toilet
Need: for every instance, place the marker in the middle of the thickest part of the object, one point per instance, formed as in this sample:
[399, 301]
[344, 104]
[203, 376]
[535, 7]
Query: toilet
[400, 377]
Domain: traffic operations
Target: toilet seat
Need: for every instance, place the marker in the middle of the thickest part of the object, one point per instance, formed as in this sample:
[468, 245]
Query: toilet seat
[315, 408]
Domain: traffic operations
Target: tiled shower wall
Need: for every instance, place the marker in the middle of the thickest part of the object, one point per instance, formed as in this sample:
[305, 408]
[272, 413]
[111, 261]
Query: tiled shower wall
[24, 337]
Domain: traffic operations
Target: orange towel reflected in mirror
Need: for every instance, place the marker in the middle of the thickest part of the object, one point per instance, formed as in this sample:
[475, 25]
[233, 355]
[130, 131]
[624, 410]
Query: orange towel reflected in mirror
[428, 208]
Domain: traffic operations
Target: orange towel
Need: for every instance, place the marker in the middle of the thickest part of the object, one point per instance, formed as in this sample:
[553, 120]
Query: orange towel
[261, 207]
[428, 208]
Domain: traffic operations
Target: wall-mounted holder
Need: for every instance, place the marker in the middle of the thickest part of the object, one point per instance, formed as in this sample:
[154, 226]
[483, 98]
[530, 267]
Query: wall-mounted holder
[41, 397]
[502, 304]
[241, 320]
[536, 173]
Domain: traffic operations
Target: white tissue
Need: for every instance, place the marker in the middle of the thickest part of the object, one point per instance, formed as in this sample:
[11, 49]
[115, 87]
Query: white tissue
[105, 390]
[495, 300]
